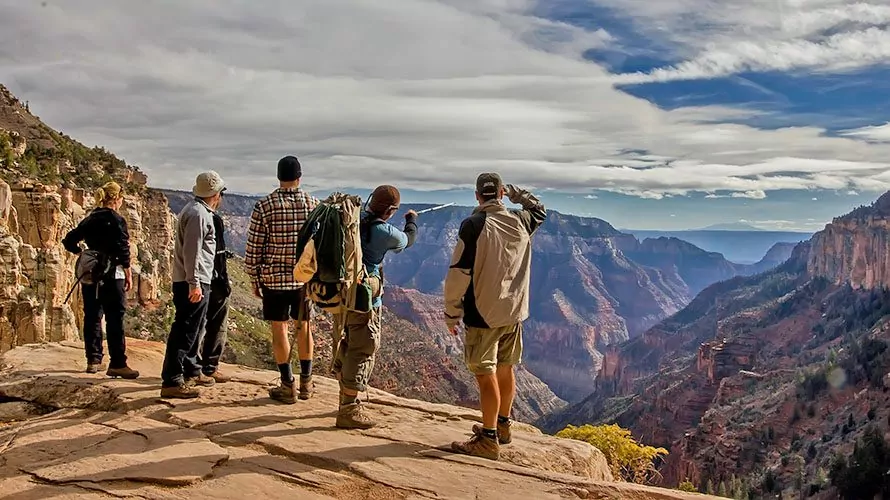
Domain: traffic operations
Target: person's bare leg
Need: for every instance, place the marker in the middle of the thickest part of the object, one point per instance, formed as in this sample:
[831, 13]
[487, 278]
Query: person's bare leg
[489, 399]
[506, 388]
[280, 342]
[305, 342]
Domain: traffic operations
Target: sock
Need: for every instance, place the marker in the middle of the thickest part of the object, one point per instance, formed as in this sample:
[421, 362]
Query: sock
[287, 373]
[346, 399]
[503, 420]
[490, 433]
[305, 368]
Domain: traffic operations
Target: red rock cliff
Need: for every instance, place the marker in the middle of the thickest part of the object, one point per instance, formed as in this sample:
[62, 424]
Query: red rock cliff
[855, 248]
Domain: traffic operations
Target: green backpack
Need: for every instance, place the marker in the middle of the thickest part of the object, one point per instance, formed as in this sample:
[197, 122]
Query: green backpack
[330, 262]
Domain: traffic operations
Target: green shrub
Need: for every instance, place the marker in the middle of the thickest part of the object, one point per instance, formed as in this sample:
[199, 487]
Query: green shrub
[687, 486]
[627, 458]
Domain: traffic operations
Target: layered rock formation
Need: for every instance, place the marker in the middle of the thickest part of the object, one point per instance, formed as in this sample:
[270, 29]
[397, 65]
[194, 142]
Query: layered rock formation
[855, 248]
[83, 436]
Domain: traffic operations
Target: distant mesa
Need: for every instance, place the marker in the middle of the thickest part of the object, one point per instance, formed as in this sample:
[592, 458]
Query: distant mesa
[731, 226]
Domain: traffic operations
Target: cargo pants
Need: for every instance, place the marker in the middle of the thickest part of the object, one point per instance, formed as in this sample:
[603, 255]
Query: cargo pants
[359, 345]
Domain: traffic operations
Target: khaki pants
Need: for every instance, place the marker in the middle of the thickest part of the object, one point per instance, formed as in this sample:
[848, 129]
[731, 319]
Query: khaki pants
[487, 348]
[359, 345]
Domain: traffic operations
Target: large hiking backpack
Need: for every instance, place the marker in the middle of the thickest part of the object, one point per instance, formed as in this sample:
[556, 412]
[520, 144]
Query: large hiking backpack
[330, 261]
[89, 269]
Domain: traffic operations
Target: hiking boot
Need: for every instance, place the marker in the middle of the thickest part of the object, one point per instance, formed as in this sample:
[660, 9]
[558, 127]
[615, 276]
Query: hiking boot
[478, 446]
[352, 416]
[200, 379]
[307, 387]
[181, 391]
[219, 377]
[283, 393]
[504, 434]
[94, 367]
[125, 372]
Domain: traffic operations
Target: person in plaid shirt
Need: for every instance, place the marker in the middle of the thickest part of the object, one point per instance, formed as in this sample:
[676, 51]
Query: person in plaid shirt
[271, 257]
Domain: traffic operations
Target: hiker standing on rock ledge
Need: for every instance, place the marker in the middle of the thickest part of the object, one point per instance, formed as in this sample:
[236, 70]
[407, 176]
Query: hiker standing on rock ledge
[105, 233]
[361, 339]
[270, 259]
[193, 257]
[212, 340]
[487, 286]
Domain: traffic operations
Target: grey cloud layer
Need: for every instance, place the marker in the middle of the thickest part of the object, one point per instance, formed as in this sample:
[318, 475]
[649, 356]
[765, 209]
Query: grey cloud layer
[425, 94]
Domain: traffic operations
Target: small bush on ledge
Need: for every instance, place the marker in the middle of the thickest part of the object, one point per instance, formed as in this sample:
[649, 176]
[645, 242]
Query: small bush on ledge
[628, 459]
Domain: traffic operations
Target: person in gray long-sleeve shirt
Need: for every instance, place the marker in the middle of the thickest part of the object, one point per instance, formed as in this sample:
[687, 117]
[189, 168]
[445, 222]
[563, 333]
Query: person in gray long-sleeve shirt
[193, 255]
[195, 246]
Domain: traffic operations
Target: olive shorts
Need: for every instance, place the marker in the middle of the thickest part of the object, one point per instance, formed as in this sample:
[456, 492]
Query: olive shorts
[487, 348]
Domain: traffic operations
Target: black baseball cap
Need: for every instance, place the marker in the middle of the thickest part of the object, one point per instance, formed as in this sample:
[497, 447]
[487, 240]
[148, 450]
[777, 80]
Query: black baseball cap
[488, 184]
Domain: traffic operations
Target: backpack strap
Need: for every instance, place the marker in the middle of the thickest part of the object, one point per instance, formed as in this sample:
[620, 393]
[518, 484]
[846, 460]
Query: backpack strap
[365, 226]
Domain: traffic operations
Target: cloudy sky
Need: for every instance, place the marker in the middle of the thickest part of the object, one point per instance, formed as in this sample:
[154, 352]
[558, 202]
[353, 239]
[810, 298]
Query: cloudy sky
[651, 114]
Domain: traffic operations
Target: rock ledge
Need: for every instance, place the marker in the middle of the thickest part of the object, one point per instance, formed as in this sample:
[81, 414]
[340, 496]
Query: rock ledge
[102, 438]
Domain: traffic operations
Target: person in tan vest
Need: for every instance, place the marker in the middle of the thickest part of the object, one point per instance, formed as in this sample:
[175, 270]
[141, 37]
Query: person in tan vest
[487, 287]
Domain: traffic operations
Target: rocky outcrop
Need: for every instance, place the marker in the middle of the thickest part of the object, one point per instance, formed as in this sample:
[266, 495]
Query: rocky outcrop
[726, 357]
[855, 248]
[111, 438]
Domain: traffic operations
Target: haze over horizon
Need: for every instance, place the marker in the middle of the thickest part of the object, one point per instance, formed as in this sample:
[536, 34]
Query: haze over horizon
[672, 115]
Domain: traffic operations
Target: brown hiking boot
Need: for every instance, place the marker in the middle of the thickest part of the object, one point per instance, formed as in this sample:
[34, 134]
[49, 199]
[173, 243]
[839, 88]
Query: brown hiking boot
[479, 446]
[505, 436]
[94, 367]
[182, 391]
[201, 379]
[307, 387]
[352, 416]
[220, 378]
[125, 372]
[283, 393]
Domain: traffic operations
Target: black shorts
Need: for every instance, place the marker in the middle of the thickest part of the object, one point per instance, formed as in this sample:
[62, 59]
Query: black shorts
[281, 305]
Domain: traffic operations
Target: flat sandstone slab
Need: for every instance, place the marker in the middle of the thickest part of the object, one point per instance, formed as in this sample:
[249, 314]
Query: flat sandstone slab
[116, 438]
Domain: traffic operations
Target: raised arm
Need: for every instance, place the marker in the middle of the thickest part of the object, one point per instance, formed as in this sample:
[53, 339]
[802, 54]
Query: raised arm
[533, 213]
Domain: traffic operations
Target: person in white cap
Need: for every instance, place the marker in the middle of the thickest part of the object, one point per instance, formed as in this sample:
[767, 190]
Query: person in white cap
[193, 258]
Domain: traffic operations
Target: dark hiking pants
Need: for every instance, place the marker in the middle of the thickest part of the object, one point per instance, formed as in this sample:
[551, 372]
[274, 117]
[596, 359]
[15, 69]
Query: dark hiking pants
[180, 360]
[107, 299]
[212, 341]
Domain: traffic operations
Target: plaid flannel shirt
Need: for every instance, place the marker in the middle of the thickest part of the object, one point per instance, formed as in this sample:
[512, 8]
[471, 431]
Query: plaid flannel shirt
[272, 237]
